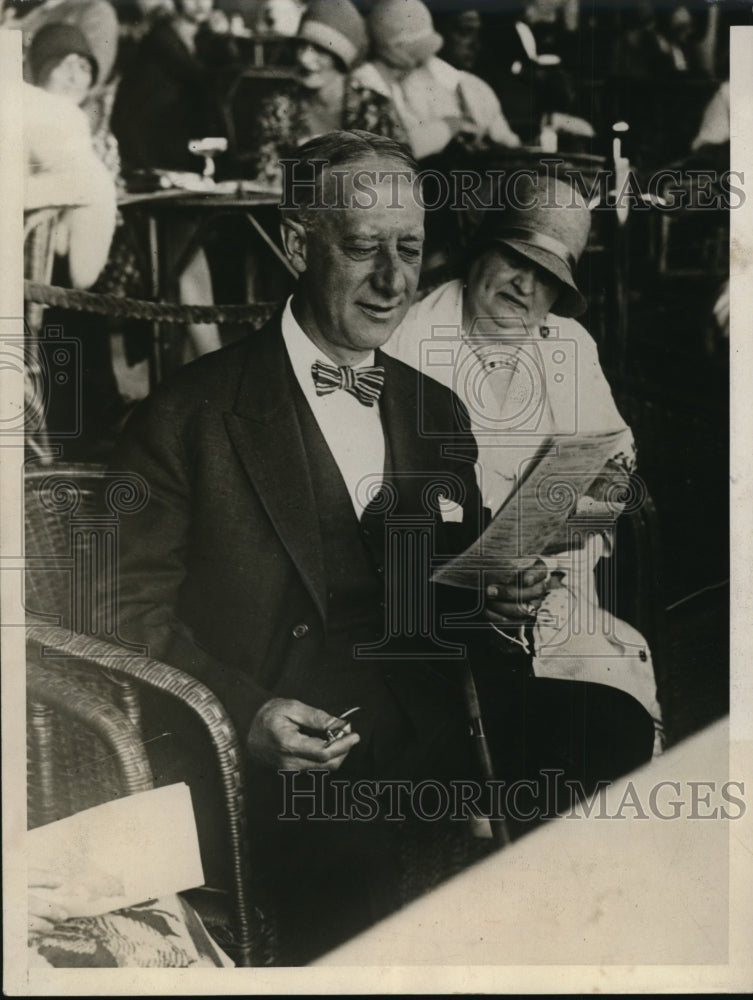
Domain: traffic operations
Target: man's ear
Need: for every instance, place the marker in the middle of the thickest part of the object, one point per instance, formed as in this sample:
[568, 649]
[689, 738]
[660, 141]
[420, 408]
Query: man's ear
[295, 243]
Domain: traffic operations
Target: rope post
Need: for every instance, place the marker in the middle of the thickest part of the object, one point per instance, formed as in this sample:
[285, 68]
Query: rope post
[155, 352]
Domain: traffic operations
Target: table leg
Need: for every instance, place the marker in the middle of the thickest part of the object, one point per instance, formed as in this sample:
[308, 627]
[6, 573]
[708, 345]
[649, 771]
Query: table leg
[279, 254]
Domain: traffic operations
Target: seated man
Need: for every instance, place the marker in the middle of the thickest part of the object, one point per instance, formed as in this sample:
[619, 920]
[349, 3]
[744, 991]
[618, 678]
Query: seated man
[303, 485]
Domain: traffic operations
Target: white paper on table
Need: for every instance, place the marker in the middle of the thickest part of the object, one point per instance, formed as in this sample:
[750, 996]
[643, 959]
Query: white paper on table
[120, 853]
[534, 517]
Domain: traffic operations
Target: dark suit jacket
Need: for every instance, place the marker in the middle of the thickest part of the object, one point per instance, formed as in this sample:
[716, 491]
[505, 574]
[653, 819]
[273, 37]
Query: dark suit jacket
[222, 570]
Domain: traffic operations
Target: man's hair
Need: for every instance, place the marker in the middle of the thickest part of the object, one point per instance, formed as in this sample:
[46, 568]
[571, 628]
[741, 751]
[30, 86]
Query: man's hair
[303, 173]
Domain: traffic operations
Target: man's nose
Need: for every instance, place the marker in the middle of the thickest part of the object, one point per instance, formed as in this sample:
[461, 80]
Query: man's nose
[388, 277]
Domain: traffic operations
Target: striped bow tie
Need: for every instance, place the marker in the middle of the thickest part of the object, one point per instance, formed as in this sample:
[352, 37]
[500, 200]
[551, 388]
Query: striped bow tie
[363, 383]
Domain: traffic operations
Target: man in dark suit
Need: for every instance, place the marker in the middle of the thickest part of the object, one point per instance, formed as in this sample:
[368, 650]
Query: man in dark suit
[301, 485]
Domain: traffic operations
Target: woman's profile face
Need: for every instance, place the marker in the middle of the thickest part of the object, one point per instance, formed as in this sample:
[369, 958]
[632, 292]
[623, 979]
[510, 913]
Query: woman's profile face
[317, 65]
[505, 286]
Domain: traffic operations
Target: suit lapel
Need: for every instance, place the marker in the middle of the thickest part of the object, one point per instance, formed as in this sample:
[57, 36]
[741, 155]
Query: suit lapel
[265, 432]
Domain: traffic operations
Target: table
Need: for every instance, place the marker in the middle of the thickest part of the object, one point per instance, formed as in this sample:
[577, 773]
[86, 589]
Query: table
[202, 210]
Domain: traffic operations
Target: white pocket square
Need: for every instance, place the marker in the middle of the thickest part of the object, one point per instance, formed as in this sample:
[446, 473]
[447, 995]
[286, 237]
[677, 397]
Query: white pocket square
[449, 510]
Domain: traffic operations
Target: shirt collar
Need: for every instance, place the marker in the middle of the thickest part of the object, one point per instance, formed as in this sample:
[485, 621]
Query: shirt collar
[303, 352]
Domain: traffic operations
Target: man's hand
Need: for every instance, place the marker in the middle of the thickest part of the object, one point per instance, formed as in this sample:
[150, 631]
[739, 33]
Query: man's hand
[515, 596]
[275, 737]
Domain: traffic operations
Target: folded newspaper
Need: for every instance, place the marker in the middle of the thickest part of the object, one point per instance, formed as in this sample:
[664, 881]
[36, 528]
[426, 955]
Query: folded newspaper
[533, 519]
[121, 853]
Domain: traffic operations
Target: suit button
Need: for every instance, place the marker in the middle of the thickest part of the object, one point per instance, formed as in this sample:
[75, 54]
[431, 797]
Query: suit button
[380, 570]
[300, 630]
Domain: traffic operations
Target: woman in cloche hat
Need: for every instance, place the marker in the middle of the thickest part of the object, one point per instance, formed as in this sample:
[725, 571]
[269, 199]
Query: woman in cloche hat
[504, 338]
[332, 40]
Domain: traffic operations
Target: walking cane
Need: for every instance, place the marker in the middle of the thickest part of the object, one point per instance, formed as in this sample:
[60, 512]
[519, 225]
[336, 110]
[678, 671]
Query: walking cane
[500, 831]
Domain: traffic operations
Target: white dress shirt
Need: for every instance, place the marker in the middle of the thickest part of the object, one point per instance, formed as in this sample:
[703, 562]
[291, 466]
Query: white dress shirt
[353, 432]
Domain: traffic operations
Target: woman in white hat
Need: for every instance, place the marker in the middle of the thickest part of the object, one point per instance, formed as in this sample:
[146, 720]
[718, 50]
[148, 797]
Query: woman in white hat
[435, 101]
[504, 338]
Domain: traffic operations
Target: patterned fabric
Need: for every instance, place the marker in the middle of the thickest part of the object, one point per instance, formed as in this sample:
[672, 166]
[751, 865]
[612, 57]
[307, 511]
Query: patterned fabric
[164, 933]
[364, 383]
[281, 124]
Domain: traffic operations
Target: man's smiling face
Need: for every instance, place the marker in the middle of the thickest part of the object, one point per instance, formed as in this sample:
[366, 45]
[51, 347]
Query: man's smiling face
[361, 264]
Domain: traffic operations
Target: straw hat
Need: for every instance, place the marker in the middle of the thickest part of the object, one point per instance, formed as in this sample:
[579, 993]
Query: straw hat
[337, 27]
[549, 225]
[403, 26]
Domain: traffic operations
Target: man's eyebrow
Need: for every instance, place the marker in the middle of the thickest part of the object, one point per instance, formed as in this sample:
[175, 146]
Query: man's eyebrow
[413, 235]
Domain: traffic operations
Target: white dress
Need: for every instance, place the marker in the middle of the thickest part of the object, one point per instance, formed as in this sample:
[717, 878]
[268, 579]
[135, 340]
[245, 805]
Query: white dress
[63, 171]
[556, 387]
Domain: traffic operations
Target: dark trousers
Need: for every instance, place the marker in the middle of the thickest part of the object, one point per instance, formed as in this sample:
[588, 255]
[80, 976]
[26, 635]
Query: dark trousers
[327, 875]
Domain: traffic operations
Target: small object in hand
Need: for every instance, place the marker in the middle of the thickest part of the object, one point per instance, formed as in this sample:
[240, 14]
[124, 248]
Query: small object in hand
[337, 733]
[528, 609]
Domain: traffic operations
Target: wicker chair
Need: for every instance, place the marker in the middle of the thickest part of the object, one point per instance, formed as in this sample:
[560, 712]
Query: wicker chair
[81, 749]
[72, 515]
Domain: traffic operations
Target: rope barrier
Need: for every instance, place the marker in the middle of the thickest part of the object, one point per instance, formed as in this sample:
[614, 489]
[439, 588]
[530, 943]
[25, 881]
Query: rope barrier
[256, 313]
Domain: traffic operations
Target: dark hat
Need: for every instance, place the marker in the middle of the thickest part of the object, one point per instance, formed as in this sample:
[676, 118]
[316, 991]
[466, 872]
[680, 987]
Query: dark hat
[51, 44]
[548, 224]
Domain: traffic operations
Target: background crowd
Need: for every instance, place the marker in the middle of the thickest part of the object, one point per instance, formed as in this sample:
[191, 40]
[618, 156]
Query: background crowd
[118, 91]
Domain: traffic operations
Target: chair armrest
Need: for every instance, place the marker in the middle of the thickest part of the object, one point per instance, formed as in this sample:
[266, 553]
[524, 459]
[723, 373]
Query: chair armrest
[53, 642]
[51, 690]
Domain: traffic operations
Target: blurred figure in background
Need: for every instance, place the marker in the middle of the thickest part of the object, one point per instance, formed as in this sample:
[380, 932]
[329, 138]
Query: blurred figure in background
[461, 31]
[553, 22]
[533, 64]
[327, 95]
[66, 171]
[675, 30]
[98, 23]
[62, 166]
[279, 17]
[169, 95]
[435, 102]
[637, 52]
[95, 19]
